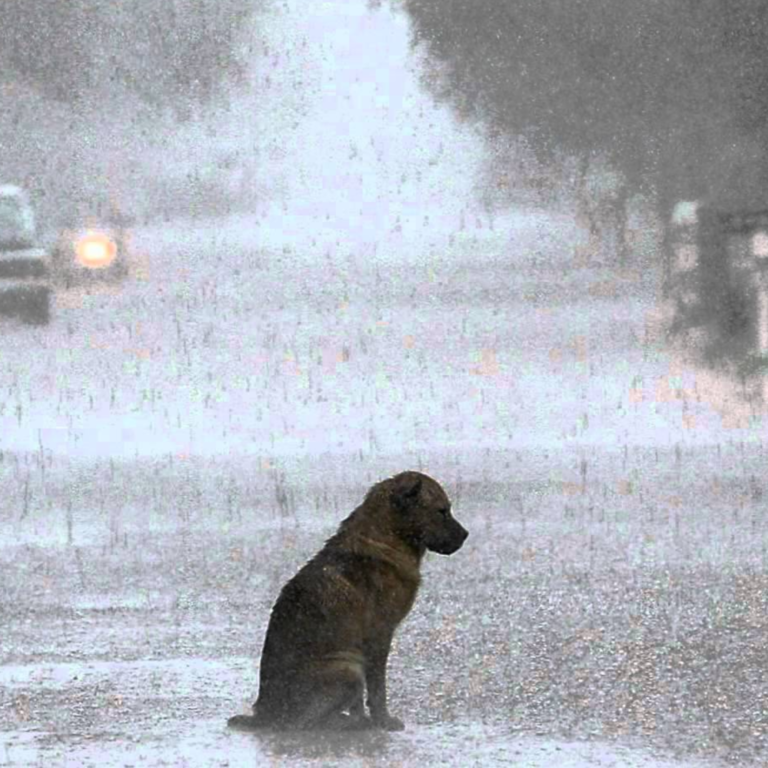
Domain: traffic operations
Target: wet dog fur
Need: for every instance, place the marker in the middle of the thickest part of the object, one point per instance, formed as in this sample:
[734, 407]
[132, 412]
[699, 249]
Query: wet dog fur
[331, 629]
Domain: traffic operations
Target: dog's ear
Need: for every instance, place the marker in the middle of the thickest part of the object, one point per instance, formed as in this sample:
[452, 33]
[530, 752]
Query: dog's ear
[405, 489]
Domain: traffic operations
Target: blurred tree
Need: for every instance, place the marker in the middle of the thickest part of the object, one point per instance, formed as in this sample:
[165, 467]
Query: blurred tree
[668, 92]
[167, 52]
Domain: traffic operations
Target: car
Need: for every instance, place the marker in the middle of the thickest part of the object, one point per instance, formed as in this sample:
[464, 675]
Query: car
[92, 246]
[25, 266]
[717, 281]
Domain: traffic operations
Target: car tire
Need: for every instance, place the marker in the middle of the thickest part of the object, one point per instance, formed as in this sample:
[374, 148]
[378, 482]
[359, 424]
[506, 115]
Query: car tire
[37, 307]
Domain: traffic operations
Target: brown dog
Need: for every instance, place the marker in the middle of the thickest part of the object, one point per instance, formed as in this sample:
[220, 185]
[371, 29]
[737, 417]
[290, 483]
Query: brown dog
[331, 628]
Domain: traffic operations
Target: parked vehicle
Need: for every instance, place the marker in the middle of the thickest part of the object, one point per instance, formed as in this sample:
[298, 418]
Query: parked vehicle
[717, 282]
[25, 289]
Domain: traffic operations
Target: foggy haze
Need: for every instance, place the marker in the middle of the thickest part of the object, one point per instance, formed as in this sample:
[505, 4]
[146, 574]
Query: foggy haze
[339, 270]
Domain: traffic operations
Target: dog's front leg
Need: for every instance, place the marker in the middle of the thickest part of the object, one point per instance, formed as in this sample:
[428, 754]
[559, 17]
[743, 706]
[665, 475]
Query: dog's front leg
[376, 682]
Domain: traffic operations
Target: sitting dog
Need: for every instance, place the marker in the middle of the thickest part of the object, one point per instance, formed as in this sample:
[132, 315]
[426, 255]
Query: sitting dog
[331, 628]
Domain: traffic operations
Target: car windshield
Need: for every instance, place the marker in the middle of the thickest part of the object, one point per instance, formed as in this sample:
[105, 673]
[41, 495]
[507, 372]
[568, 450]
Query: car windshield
[16, 224]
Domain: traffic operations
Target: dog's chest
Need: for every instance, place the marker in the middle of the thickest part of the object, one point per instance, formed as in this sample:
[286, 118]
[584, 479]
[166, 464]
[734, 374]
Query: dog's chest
[392, 597]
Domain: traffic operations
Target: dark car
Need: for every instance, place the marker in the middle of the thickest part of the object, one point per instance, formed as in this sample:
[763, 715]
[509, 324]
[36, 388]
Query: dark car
[25, 289]
[717, 280]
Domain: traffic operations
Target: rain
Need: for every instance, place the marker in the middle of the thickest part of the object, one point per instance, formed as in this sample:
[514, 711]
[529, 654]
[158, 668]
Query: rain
[323, 265]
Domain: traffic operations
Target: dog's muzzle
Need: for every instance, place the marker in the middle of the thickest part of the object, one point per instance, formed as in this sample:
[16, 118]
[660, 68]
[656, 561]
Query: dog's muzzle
[452, 541]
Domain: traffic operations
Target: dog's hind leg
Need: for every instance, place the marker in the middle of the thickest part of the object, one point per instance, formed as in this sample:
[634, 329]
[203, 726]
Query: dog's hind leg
[335, 705]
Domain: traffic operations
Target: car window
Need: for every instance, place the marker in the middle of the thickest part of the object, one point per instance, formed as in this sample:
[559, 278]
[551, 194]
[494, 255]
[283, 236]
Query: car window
[17, 226]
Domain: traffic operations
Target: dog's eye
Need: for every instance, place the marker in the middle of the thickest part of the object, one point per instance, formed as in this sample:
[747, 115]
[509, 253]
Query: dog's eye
[444, 511]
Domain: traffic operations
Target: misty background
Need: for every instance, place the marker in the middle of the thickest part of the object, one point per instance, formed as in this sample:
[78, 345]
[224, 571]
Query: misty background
[368, 236]
[278, 162]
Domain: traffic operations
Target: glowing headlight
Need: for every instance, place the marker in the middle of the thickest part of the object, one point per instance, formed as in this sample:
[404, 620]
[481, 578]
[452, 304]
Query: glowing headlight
[95, 250]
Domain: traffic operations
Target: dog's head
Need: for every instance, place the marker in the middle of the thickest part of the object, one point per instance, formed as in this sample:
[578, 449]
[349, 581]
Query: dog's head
[423, 512]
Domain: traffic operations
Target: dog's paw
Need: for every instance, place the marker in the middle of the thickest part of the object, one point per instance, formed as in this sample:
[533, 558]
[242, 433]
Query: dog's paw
[359, 723]
[243, 723]
[343, 721]
[389, 723]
